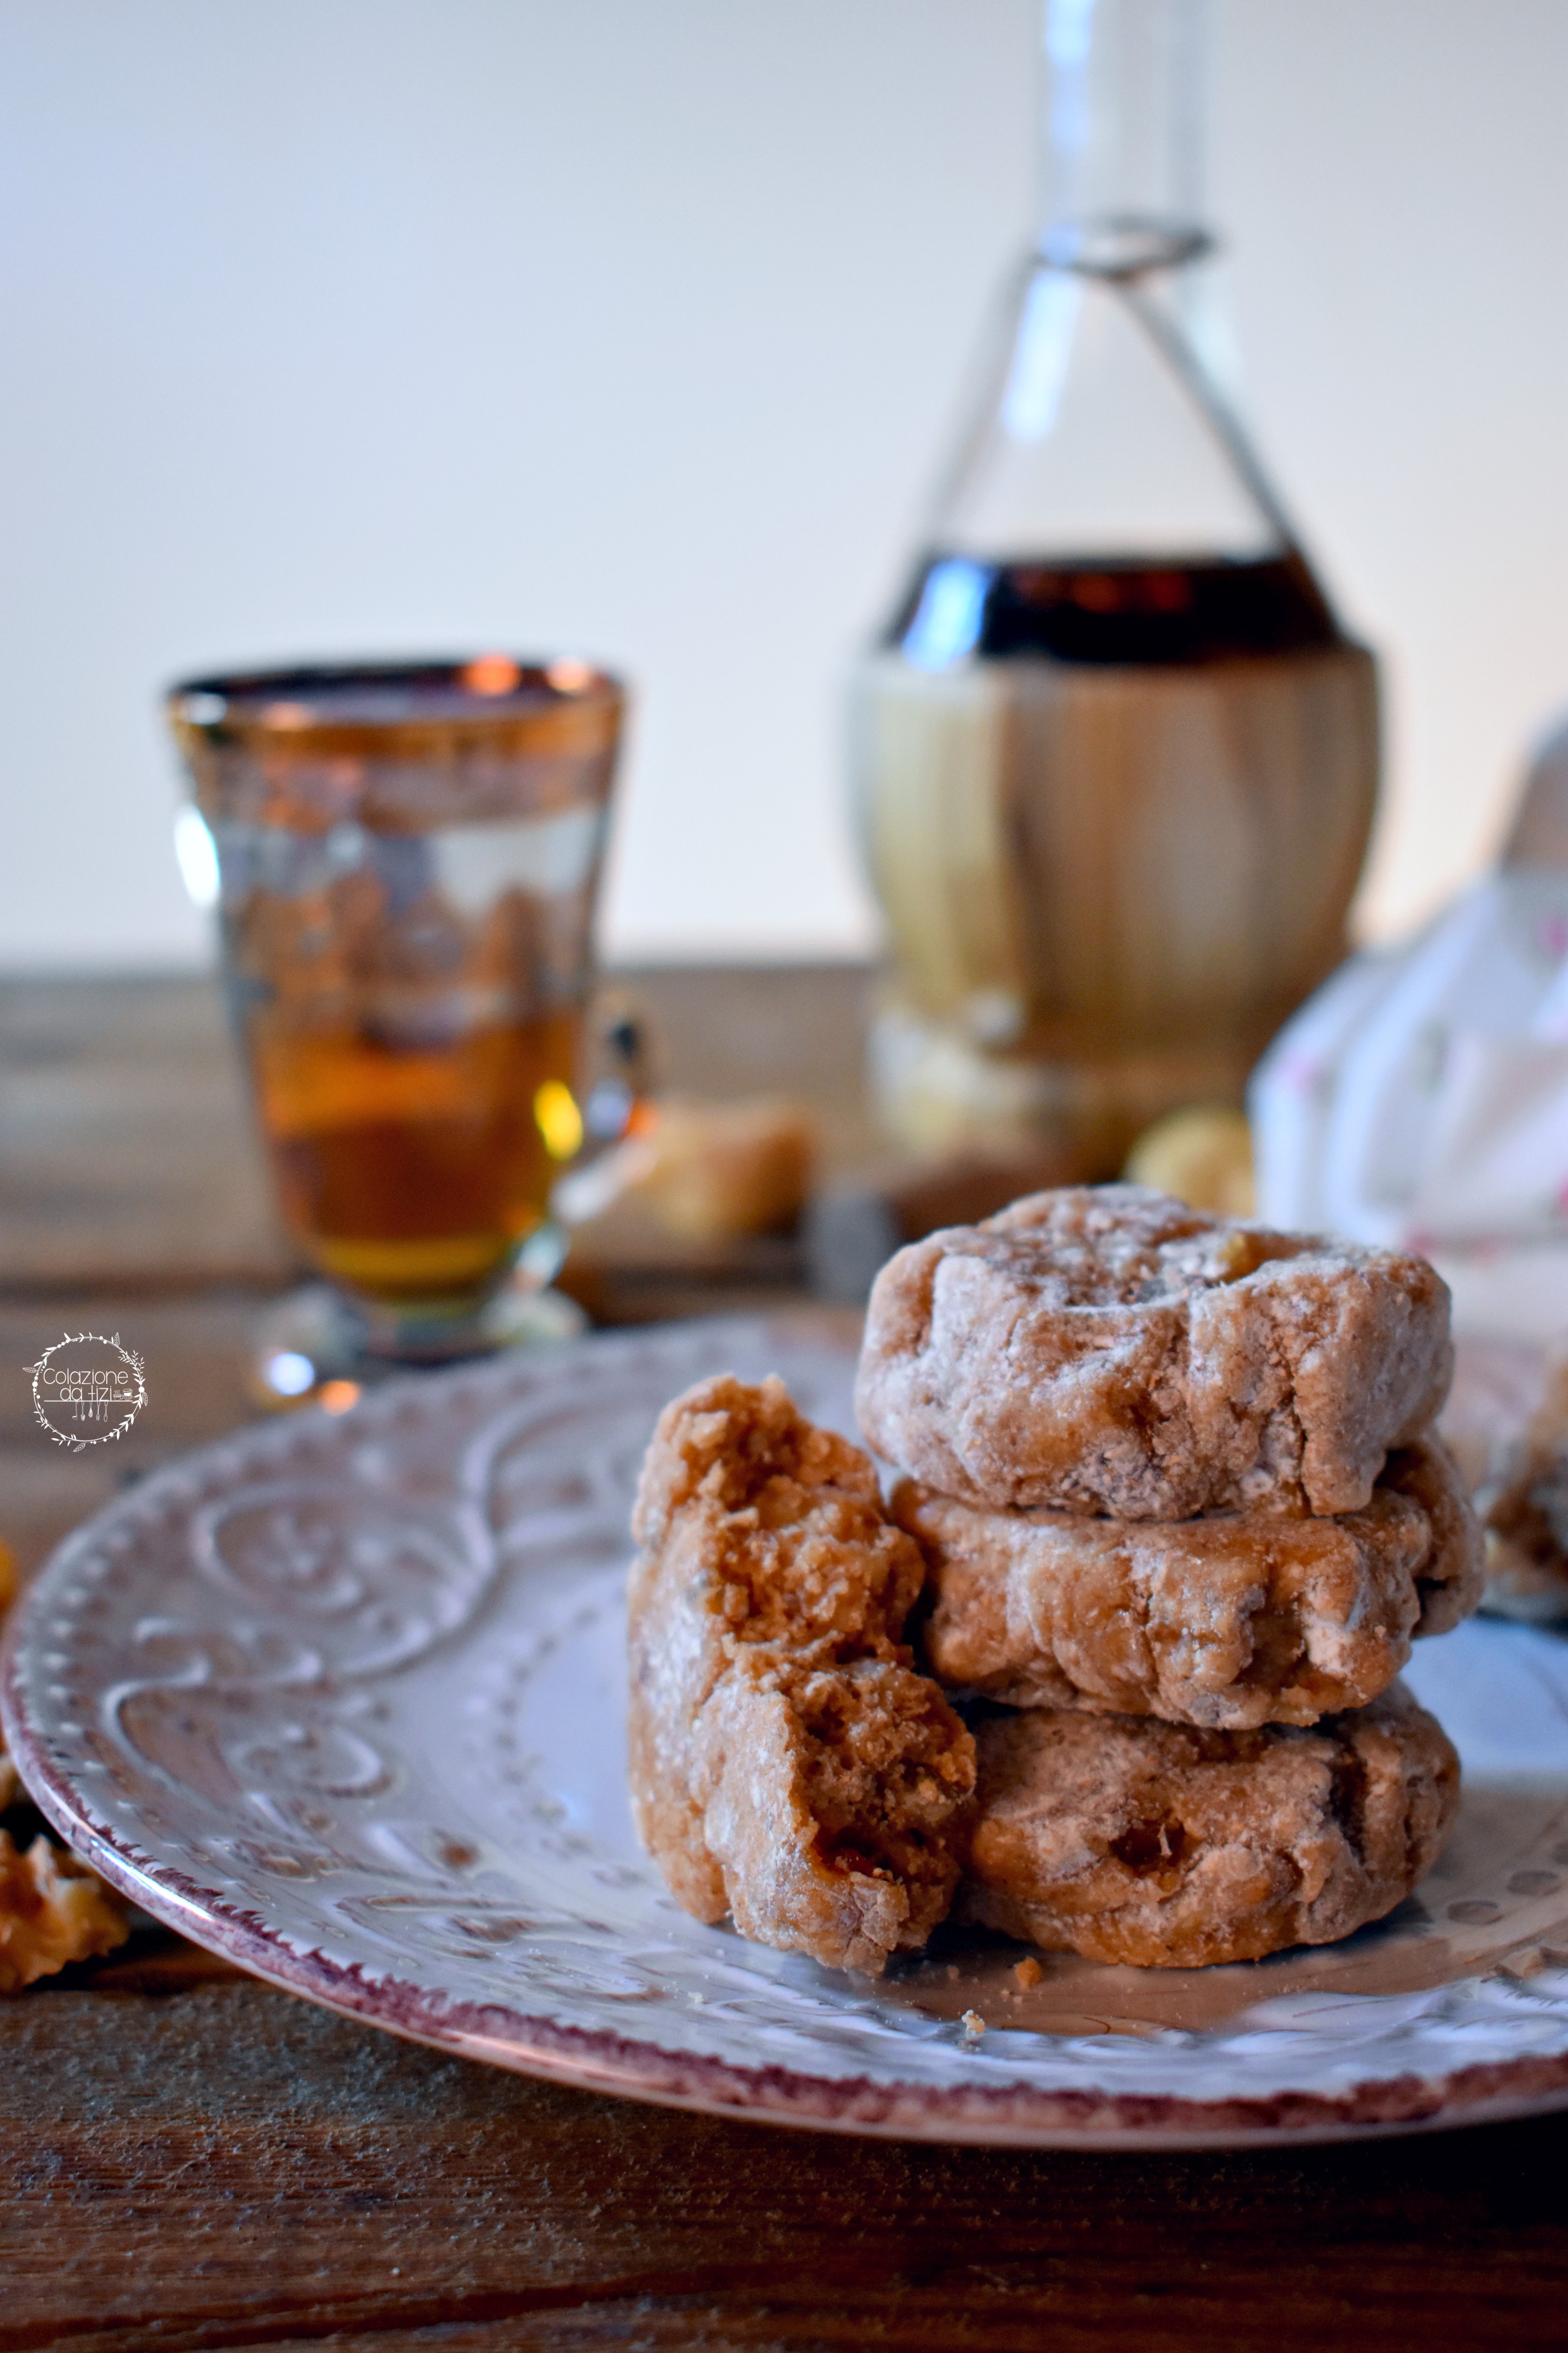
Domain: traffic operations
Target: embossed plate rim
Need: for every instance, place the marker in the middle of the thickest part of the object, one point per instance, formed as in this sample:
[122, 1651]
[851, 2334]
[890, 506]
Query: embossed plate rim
[590, 2056]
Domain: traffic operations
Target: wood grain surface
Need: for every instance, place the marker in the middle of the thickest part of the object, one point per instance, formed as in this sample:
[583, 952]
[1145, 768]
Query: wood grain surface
[230, 2166]
[189, 2159]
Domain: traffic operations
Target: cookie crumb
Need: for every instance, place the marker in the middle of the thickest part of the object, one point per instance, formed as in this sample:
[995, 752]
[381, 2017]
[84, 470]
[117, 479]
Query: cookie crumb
[974, 2025]
[1027, 1972]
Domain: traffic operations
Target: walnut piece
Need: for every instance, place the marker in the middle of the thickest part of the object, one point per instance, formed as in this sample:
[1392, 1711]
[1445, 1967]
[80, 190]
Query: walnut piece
[52, 1910]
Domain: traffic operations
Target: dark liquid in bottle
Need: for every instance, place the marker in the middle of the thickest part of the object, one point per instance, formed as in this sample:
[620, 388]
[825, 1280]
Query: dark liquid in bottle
[1126, 609]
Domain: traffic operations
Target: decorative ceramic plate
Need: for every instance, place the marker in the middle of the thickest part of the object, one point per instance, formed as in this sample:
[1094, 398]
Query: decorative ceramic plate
[342, 1700]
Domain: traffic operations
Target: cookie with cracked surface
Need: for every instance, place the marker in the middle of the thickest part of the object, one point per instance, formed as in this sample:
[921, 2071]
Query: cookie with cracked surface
[1104, 1349]
[1159, 1845]
[767, 1565]
[1232, 1621]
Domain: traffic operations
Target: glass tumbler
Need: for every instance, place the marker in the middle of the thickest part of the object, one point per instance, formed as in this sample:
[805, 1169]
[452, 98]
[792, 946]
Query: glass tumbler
[404, 858]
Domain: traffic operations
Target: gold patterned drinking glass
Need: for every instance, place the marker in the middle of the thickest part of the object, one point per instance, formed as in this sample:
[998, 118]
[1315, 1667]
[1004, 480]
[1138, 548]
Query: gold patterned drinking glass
[405, 858]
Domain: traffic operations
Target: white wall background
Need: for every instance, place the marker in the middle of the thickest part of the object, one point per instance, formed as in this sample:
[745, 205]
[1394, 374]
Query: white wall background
[634, 326]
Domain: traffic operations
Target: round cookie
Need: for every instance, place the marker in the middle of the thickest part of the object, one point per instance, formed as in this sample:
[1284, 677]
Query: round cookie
[1129, 1840]
[1233, 1621]
[1105, 1349]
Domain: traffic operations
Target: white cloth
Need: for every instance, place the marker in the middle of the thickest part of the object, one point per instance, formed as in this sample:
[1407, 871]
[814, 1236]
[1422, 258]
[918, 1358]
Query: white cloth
[1421, 1100]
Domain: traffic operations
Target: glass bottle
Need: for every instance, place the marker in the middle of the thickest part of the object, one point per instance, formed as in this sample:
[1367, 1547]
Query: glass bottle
[1115, 760]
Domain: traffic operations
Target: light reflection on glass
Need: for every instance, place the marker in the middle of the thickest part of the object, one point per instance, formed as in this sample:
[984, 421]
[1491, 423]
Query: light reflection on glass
[196, 853]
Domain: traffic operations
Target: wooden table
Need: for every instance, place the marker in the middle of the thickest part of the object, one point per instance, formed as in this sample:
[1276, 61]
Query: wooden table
[194, 2160]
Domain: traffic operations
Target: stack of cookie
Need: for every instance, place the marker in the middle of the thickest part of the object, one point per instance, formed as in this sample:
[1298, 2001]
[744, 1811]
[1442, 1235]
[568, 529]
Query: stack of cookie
[1183, 1512]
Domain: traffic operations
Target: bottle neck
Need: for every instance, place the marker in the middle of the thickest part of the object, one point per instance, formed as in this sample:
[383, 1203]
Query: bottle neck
[1121, 183]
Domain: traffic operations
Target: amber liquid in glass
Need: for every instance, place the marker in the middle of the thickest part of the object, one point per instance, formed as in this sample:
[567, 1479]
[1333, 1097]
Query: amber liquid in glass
[412, 1174]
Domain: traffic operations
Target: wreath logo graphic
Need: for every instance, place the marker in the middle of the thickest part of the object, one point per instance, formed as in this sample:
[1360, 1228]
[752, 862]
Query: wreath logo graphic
[93, 1393]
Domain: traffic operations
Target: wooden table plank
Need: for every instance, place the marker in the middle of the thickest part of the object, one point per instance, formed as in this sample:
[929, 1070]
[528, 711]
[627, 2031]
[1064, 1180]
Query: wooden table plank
[229, 2166]
[129, 1161]
[127, 1158]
